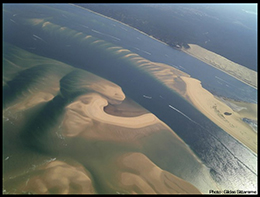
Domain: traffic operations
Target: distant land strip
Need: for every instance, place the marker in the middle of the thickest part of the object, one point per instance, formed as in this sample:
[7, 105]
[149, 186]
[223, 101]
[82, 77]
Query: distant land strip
[116, 20]
[233, 69]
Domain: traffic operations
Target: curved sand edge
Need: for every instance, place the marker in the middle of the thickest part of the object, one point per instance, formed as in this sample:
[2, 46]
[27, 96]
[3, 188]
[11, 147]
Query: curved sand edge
[215, 109]
[127, 108]
[93, 106]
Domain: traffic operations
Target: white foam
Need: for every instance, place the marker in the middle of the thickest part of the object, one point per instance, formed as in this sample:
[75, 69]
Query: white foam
[148, 97]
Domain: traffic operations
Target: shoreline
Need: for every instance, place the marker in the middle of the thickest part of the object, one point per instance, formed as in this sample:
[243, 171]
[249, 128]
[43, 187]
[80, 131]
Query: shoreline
[215, 110]
[121, 23]
[178, 49]
[210, 64]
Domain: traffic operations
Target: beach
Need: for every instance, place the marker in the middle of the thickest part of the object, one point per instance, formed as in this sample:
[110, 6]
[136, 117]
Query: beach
[237, 71]
[214, 109]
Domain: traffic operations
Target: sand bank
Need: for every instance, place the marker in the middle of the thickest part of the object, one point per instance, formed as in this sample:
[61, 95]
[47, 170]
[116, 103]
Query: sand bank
[238, 71]
[87, 117]
[215, 109]
[248, 110]
[32, 101]
[59, 178]
[92, 105]
[128, 108]
[141, 175]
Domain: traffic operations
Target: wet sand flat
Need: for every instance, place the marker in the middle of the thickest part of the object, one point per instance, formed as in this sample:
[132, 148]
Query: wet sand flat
[142, 175]
[58, 177]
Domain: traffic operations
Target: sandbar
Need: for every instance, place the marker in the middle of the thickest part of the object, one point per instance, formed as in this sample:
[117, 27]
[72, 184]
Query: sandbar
[214, 109]
[128, 108]
[94, 109]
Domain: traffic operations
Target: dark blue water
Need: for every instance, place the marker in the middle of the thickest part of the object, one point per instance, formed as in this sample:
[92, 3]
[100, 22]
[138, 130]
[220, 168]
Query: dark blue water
[231, 164]
[212, 79]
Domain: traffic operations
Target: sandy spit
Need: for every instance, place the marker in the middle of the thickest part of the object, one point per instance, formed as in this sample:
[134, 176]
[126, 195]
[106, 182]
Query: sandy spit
[214, 109]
